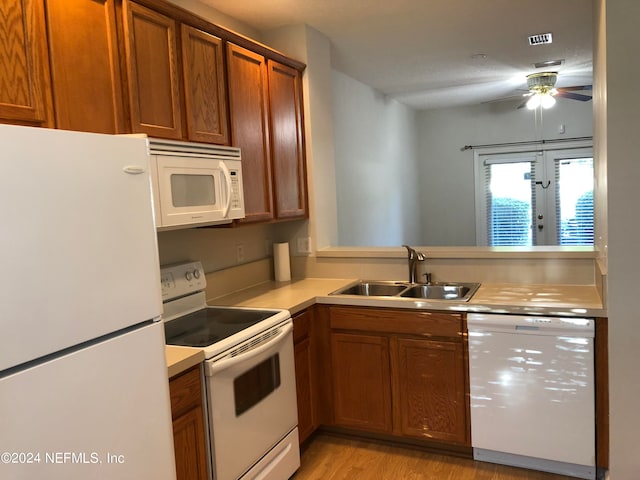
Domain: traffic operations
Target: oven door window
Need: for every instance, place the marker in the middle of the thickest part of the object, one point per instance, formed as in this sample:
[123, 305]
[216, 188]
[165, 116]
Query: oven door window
[255, 384]
[189, 190]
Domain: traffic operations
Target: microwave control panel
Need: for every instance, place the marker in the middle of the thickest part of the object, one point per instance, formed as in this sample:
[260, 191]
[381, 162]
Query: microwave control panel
[236, 202]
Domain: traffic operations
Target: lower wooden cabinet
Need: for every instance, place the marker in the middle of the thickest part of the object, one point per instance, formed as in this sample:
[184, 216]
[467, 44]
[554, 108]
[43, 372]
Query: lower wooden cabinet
[305, 374]
[361, 381]
[189, 437]
[401, 373]
[429, 389]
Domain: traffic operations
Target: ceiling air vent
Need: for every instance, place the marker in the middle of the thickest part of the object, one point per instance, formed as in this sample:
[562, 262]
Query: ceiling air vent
[540, 39]
[549, 63]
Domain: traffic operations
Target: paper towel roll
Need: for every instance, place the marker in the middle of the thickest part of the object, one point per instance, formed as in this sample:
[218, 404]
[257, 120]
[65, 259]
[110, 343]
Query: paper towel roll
[281, 263]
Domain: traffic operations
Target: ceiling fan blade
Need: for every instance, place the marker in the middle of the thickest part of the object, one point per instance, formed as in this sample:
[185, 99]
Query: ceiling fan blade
[522, 105]
[577, 87]
[503, 99]
[573, 96]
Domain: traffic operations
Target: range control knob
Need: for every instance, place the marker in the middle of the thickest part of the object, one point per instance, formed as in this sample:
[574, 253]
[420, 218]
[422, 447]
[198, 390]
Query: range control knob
[188, 276]
[196, 274]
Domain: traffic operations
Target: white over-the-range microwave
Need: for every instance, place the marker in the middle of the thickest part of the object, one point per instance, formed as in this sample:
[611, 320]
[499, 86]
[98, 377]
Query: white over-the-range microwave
[195, 184]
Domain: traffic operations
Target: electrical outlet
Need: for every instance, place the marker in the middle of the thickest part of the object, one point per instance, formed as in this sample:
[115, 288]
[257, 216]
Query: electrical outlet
[303, 245]
[239, 252]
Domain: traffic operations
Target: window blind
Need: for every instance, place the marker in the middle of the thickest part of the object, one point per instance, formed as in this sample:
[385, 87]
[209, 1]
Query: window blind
[510, 202]
[574, 201]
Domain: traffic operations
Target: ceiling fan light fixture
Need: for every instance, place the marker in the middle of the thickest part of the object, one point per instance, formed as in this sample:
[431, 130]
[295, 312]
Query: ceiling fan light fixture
[534, 102]
[547, 101]
[541, 82]
[542, 87]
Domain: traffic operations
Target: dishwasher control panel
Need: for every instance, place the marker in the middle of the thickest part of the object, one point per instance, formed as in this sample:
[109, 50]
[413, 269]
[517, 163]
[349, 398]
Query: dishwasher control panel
[531, 324]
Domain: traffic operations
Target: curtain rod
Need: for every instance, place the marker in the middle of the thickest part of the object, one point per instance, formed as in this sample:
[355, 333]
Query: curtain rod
[529, 142]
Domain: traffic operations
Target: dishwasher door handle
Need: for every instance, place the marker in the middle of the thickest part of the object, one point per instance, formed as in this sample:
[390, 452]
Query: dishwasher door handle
[528, 328]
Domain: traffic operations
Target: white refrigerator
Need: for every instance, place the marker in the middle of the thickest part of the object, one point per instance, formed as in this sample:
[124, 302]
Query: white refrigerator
[83, 379]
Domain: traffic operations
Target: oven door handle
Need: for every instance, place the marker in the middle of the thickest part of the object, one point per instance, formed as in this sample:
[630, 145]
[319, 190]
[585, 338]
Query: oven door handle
[214, 367]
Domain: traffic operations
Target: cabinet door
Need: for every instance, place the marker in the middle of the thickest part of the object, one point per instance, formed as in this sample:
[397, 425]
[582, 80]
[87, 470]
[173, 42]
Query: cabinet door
[85, 67]
[25, 87]
[189, 446]
[248, 108]
[189, 439]
[429, 390]
[204, 87]
[152, 68]
[287, 149]
[306, 420]
[304, 345]
[361, 382]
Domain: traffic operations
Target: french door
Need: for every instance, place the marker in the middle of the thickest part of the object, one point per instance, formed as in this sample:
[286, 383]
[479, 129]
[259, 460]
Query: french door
[531, 198]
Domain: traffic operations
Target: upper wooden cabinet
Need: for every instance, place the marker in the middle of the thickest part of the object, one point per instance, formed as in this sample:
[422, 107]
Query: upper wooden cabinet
[248, 104]
[171, 95]
[204, 86]
[266, 123]
[149, 66]
[25, 90]
[287, 144]
[151, 47]
[83, 49]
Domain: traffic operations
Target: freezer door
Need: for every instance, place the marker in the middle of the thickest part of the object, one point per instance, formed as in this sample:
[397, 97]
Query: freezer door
[100, 413]
[78, 245]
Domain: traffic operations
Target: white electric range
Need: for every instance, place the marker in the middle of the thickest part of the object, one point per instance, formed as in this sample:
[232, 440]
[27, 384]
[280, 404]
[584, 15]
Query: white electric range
[249, 377]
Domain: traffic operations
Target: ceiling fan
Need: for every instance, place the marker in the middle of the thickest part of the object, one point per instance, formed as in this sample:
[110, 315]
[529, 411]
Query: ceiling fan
[542, 91]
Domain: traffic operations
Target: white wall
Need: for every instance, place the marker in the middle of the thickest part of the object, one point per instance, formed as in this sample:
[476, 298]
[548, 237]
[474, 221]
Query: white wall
[618, 124]
[446, 171]
[376, 181]
[215, 16]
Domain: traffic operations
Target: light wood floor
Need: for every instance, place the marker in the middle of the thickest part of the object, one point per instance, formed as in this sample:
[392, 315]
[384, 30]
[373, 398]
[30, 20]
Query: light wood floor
[330, 457]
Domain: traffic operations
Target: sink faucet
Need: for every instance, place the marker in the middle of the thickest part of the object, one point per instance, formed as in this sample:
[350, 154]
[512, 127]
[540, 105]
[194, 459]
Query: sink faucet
[413, 257]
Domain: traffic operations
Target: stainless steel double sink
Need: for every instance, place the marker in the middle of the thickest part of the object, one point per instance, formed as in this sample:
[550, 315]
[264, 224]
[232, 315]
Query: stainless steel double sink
[452, 291]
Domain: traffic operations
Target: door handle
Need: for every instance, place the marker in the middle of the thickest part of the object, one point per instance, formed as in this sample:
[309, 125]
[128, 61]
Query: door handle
[214, 367]
[227, 177]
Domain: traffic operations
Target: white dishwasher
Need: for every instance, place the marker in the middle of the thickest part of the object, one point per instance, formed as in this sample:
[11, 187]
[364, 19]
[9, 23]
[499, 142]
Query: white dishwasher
[532, 392]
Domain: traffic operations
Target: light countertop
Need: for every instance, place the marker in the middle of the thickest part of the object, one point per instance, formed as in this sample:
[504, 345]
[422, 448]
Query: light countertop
[294, 296]
[180, 359]
[565, 300]
[297, 295]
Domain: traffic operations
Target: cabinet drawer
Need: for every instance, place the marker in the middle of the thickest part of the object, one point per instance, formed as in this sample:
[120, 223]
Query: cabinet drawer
[429, 324]
[302, 325]
[185, 391]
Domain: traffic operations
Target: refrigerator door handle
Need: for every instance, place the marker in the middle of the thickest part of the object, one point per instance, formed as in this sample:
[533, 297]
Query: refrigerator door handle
[134, 169]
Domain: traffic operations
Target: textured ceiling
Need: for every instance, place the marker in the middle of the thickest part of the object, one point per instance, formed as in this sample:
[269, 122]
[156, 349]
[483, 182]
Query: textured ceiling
[420, 51]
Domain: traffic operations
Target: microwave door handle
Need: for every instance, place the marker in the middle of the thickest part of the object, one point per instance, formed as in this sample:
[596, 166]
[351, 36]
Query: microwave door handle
[227, 177]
